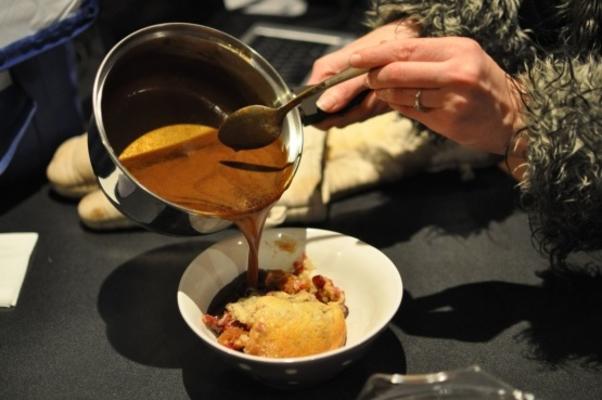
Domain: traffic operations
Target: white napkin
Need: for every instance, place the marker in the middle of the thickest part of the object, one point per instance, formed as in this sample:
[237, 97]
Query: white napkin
[15, 252]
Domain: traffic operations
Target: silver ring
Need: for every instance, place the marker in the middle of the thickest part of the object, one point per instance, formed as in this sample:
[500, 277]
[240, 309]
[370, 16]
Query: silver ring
[417, 104]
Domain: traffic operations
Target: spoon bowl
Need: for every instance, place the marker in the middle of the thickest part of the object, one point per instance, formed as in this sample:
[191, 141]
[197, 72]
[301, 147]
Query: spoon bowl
[255, 126]
[251, 127]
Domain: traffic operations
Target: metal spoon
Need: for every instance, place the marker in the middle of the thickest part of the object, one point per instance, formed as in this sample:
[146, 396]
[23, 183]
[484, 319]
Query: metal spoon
[256, 126]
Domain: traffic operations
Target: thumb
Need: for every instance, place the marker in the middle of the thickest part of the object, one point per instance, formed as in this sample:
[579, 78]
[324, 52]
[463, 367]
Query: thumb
[337, 97]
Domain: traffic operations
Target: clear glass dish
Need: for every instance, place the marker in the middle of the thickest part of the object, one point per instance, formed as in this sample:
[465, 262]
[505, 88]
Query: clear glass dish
[470, 383]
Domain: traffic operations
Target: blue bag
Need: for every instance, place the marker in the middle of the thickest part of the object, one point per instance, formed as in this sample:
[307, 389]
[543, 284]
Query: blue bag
[39, 104]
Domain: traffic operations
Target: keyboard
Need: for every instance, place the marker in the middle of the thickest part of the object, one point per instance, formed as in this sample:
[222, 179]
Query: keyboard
[293, 50]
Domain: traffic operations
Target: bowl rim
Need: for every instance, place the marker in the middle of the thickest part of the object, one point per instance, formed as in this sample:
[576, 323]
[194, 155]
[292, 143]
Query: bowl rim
[372, 334]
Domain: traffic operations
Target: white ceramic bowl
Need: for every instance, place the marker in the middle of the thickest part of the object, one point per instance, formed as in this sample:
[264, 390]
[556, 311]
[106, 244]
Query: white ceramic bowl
[372, 285]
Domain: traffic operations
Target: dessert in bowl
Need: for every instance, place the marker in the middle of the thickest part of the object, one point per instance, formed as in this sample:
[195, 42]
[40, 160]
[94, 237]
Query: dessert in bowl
[371, 284]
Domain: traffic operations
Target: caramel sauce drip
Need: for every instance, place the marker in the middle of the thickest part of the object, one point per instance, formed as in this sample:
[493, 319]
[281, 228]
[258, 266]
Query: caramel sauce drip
[187, 165]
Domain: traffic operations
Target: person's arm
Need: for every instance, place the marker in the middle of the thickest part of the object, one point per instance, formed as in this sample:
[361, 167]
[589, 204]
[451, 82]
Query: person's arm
[562, 177]
[448, 84]
[492, 24]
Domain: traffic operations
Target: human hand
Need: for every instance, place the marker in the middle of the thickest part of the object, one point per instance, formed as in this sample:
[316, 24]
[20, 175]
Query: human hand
[333, 100]
[464, 94]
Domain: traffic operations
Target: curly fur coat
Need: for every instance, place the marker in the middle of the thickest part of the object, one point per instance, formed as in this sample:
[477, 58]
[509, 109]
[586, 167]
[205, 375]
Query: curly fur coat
[554, 48]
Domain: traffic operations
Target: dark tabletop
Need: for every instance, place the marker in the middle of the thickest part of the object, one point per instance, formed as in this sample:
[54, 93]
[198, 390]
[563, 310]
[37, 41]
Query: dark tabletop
[97, 316]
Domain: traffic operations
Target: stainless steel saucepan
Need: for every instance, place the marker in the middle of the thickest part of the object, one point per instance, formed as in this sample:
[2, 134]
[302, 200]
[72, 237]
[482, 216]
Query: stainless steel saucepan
[175, 73]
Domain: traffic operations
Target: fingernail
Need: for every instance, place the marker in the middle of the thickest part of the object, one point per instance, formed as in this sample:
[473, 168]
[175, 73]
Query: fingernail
[383, 93]
[326, 102]
[355, 59]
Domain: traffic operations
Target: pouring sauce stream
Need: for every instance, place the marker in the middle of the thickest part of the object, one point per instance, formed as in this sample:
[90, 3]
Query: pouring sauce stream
[184, 164]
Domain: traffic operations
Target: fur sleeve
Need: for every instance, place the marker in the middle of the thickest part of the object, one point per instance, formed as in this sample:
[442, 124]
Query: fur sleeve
[492, 23]
[563, 187]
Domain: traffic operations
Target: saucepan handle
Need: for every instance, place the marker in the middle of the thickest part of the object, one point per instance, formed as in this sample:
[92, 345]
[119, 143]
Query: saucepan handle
[311, 114]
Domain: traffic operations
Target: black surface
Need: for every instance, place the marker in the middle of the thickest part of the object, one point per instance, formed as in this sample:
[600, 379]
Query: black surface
[97, 316]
